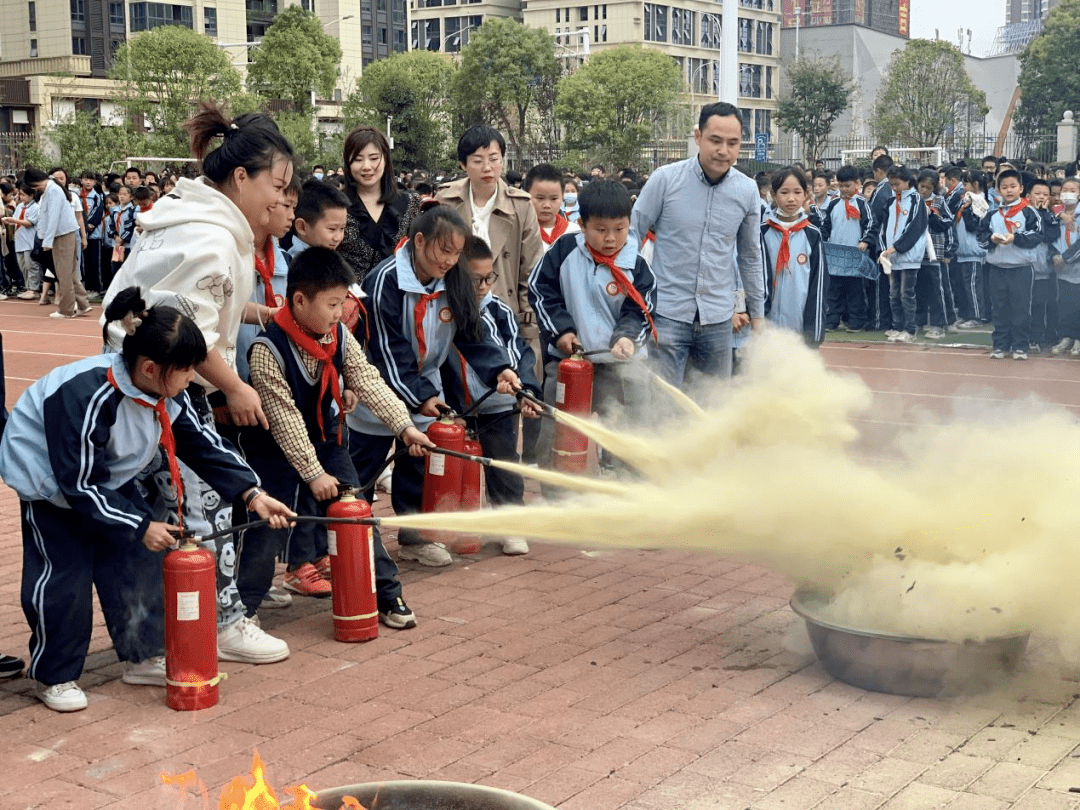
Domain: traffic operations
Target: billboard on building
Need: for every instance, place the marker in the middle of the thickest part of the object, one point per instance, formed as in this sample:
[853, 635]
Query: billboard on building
[904, 17]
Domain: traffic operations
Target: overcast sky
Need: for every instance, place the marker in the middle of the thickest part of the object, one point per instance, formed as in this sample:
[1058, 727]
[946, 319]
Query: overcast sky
[983, 17]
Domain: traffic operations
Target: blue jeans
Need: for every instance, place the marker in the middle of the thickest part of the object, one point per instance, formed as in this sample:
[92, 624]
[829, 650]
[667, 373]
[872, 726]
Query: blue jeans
[902, 299]
[707, 348]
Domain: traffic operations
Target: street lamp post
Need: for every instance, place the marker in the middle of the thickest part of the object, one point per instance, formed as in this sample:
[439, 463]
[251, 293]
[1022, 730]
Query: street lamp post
[461, 32]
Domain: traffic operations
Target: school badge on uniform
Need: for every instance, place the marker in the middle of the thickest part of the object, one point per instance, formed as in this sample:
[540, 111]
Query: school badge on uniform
[802, 258]
[612, 288]
[445, 315]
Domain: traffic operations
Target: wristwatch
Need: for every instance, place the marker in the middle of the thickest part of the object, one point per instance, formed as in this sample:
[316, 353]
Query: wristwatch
[252, 495]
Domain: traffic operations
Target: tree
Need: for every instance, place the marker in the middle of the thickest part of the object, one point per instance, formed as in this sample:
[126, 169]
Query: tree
[165, 73]
[1049, 82]
[506, 72]
[415, 90]
[819, 92]
[925, 94]
[84, 143]
[612, 104]
[295, 57]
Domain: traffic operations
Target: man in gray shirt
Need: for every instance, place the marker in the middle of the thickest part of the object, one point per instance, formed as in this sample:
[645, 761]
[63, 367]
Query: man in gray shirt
[707, 221]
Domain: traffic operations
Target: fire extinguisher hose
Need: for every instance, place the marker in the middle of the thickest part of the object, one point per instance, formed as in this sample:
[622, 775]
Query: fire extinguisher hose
[365, 521]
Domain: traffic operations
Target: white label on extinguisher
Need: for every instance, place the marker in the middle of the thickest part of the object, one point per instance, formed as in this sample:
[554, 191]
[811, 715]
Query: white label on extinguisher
[371, 557]
[560, 393]
[331, 541]
[187, 606]
[436, 464]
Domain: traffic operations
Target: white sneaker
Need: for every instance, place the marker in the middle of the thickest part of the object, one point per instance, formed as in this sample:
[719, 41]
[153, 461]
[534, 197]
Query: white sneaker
[892, 333]
[1075, 350]
[433, 554]
[61, 697]
[514, 546]
[952, 329]
[903, 337]
[150, 672]
[1061, 346]
[246, 642]
[934, 333]
[972, 324]
[1019, 354]
[276, 598]
[997, 354]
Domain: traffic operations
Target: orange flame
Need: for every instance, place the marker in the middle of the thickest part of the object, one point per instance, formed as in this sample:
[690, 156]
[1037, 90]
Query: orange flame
[250, 792]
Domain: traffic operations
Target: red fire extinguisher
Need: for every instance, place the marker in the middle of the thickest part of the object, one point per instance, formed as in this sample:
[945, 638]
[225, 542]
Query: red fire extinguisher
[352, 568]
[191, 663]
[469, 497]
[573, 394]
[442, 474]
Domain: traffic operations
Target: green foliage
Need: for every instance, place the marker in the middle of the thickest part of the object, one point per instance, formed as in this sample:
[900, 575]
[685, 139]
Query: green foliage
[818, 93]
[612, 104]
[414, 89]
[507, 79]
[926, 92]
[84, 143]
[165, 73]
[1049, 82]
[296, 56]
[296, 127]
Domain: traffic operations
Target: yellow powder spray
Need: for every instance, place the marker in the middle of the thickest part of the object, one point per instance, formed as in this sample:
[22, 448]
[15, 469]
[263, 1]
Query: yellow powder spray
[960, 530]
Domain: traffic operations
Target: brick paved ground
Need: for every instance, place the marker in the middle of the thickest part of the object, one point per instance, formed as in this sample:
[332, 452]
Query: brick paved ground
[642, 680]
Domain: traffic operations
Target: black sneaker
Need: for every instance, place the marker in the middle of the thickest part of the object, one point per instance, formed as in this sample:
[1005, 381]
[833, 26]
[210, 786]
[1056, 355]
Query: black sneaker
[397, 615]
[10, 666]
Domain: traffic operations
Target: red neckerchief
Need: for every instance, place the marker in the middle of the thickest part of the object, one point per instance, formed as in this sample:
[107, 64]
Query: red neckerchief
[960, 212]
[1007, 213]
[783, 256]
[265, 268]
[144, 208]
[649, 237]
[418, 324]
[852, 210]
[168, 444]
[119, 215]
[899, 214]
[324, 353]
[82, 194]
[465, 380]
[624, 284]
[557, 230]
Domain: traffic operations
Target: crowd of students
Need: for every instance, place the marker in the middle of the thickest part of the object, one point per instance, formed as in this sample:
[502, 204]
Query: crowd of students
[272, 339]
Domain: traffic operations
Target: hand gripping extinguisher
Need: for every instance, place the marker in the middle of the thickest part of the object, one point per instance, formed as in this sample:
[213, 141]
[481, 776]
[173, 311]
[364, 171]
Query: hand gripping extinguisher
[573, 394]
[191, 662]
[352, 569]
[469, 497]
[442, 475]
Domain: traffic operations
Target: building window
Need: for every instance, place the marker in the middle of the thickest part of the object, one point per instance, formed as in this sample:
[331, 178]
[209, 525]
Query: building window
[558, 15]
[399, 40]
[399, 12]
[116, 14]
[710, 31]
[210, 21]
[768, 82]
[384, 36]
[763, 41]
[431, 35]
[31, 10]
[365, 34]
[747, 123]
[655, 23]
[583, 13]
[78, 46]
[415, 32]
[746, 36]
[603, 11]
[432, 3]
[78, 10]
[146, 16]
[750, 81]
[763, 121]
[682, 26]
[33, 49]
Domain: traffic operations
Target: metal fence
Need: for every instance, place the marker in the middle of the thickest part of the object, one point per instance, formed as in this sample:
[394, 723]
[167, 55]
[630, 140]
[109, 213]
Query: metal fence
[13, 149]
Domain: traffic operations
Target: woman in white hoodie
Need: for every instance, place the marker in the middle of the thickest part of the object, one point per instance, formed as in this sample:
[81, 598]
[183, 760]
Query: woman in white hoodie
[196, 253]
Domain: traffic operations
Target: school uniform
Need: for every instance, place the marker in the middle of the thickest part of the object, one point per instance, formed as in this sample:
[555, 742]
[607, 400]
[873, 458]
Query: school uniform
[276, 266]
[905, 229]
[878, 295]
[1044, 292]
[412, 332]
[1066, 244]
[118, 235]
[494, 419]
[969, 289]
[93, 207]
[843, 223]
[76, 450]
[933, 292]
[796, 279]
[1012, 271]
[24, 245]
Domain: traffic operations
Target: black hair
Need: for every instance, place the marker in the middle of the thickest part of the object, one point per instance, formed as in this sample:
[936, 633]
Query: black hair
[423, 188]
[438, 222]
[358, 139]
[315, 270]
[87, 174]
[141, 194]
[846, 174]
[545, 173]
[34, 175]
[882, 163]
[780, 175]
[994, 158]
[954, 173]
[318, 166]
[1038, 181]
[721, 108]
[55, 169]
[928, 176]
[479, 137]
[882, 147]
[135, 169]
[1055, 182]
[316, 198]
[513, 178]
[901, 173]
[475, 250]
[166, 335]
[607, 199]
[251, 141]
[461, 299]
[764, 180]
[821, 174]
[1005, 175]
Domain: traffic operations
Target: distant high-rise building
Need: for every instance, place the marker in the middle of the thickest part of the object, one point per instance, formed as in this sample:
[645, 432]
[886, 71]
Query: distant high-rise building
[888, 16]
[1023, 22]
[1020, 11]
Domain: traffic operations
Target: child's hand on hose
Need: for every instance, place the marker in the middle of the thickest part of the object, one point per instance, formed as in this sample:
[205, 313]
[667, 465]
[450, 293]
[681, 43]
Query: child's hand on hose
[508, 381]
[273, 510]
[416, 440]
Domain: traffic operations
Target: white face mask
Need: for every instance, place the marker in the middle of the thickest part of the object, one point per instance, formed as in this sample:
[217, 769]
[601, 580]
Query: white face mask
[569, 199]
[1069, 197]
[318, 175]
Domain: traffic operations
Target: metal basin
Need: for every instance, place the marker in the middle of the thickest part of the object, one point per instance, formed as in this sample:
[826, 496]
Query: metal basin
[424, 794]
[917, 667]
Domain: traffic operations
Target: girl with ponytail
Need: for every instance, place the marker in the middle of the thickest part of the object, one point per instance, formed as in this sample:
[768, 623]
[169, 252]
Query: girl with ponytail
[78, 449]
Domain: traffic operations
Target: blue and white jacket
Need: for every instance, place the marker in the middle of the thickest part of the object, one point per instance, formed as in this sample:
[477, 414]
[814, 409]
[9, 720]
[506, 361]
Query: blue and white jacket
[76, 440]
[1066, 244]
[393, 292]
[93, 213]
[465, 386]
[1027, 236]
[942, 232]
[968, 248]
[249, 331]
[837, 227]
[1051, 230]
[795, 298]
[127, 225]
[26, 234]
[905, 229]
[570, 292]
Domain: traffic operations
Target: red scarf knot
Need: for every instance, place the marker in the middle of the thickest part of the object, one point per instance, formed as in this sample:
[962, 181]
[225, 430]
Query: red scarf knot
[557, 230]
[783, 256]
[418, 322]
[264, 265]
[168, 444]
[623, 284]
[324, 353]
[1008, 213]
[851, 208]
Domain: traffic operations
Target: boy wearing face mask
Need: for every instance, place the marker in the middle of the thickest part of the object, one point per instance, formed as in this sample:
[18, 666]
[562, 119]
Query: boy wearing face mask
[1044, 309]
[1064, 253]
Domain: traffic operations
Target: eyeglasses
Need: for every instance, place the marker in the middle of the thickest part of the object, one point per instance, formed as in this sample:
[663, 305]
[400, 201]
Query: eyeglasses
[480, 162]
[489, 279]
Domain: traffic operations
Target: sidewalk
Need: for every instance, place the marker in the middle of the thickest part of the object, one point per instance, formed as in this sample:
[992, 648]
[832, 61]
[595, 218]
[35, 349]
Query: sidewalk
[591, 680]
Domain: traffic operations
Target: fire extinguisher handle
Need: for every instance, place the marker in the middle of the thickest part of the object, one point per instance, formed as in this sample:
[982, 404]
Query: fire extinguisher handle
[544, 407]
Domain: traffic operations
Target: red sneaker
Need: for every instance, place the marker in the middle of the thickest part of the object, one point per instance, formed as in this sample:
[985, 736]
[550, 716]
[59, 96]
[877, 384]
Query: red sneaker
[306, 581]
[323, 567]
